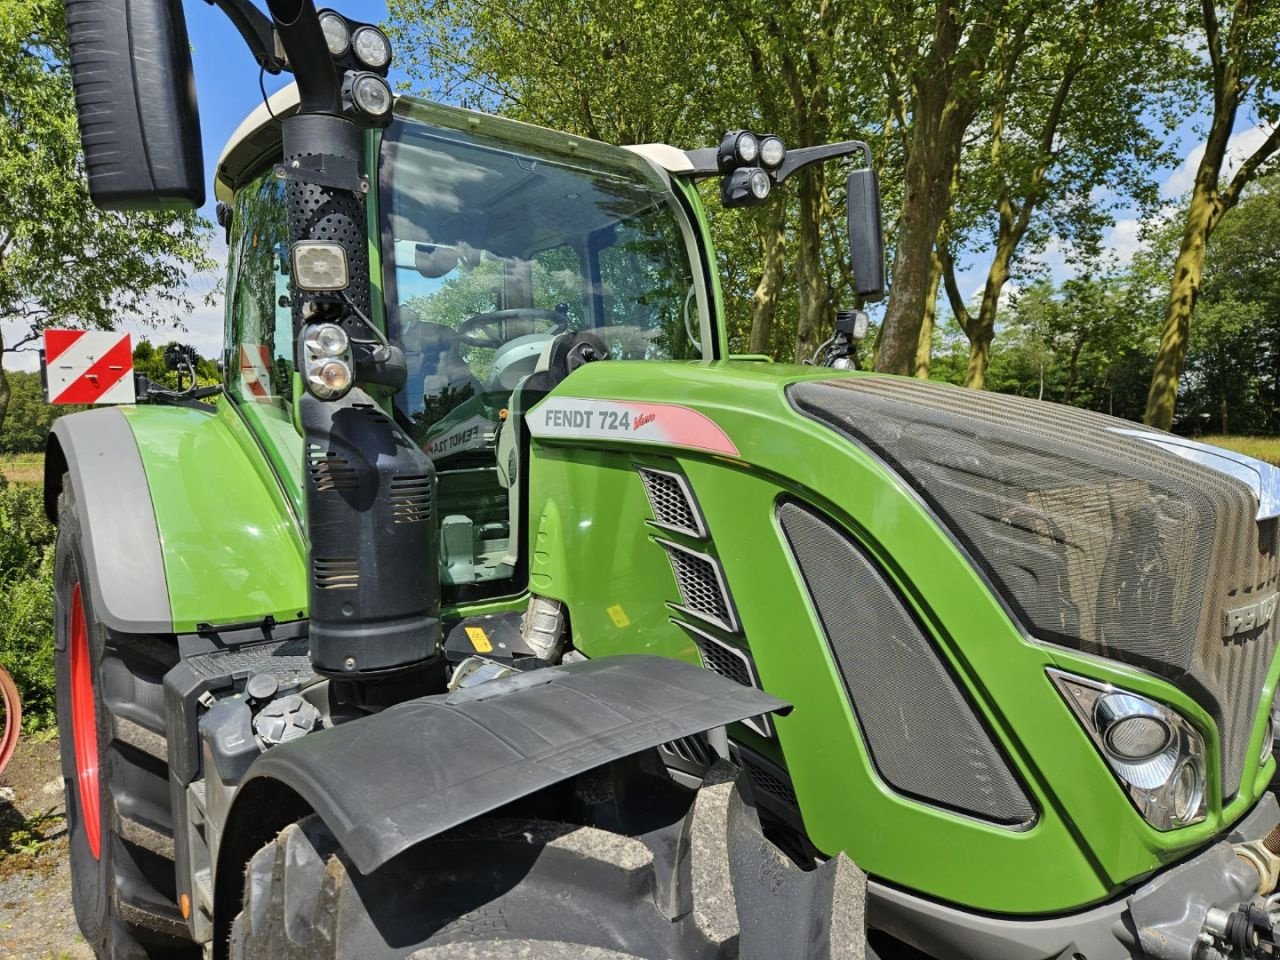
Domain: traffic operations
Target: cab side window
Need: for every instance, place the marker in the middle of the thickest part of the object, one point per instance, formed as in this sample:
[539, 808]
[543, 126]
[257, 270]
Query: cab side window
[260, 318]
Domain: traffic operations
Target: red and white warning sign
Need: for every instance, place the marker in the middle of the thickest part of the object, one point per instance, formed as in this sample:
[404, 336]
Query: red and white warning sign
[255, 371]
[85, 366]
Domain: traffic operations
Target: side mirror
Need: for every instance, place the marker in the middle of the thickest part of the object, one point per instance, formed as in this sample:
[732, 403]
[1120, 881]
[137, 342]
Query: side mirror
[136, 103]
[866, 233]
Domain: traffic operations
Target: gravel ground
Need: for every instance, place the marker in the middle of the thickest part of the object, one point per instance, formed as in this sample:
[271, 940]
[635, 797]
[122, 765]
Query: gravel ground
[36, 918]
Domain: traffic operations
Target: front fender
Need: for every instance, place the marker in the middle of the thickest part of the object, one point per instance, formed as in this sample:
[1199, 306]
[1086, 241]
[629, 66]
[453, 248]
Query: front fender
[387, 782]
[185, 523]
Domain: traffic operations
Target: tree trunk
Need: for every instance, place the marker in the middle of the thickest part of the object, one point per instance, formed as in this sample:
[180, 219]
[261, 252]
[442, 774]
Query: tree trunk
[924, 349]
[764, 302]
[815, 298]
[983, 331]
[1073, 368]
[943, 106]
[5, 392]
[1188, 272]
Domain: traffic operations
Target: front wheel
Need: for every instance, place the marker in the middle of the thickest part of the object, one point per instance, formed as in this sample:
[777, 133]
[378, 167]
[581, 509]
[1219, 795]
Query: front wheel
[114, 767]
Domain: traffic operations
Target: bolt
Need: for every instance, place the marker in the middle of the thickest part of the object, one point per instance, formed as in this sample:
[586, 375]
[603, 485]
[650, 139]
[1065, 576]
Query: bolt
[350, 663]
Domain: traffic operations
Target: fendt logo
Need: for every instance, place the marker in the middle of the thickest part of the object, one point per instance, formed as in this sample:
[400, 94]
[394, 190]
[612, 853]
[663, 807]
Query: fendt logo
[88, 367]
[1250, 617]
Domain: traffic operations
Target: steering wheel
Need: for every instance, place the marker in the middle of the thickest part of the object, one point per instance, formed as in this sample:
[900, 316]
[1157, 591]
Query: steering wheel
[497, 327]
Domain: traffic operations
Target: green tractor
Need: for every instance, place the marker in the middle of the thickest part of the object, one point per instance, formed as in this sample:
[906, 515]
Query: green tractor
[493, 609]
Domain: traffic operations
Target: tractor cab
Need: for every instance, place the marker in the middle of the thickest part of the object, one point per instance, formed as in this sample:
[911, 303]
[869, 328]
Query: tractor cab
[509, 256]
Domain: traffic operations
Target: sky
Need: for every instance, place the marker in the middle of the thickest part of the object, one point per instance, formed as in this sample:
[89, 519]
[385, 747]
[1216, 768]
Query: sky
[227, 82]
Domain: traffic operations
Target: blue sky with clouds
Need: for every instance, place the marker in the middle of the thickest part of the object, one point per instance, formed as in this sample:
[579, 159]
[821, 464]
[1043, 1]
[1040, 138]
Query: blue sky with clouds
[227, 83]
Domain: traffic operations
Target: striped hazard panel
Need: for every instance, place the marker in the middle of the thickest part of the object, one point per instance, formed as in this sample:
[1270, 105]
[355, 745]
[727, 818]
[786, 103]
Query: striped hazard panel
[255, 371]
[88, 366]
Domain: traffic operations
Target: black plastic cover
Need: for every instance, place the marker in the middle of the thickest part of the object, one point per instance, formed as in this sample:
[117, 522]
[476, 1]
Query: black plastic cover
[866, 233]
[136, 103]
[387, 782]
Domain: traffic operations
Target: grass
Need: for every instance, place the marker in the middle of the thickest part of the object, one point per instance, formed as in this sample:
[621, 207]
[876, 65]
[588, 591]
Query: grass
[22, 467]
[1262, 448]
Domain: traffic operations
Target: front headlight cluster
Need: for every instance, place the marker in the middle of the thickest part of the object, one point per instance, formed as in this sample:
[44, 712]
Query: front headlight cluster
[749, 163]
[363, 53]
[1151, 748]
[327, 362]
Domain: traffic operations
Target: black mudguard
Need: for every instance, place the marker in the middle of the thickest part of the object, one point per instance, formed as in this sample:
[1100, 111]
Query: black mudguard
[388, 782]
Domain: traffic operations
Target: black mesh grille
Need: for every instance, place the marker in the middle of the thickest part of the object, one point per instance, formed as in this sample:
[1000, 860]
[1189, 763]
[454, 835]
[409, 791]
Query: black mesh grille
[731, 662]
[1096, 540]
[769, 778]
[701, 587]
[693, 750]
[672, 503]
[923, 735]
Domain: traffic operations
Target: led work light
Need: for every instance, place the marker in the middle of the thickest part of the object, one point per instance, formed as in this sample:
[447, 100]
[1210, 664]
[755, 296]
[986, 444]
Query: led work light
[320, 265]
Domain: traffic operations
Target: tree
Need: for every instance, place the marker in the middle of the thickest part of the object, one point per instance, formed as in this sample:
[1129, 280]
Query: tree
[1241, 69]
[62, 261]
[1069, 111]
[934, 57]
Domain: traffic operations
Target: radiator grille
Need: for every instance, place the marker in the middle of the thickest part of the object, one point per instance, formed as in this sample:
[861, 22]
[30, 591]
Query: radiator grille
[1094, 539]
[769, 778]
[672, 501]
[701, 584]
[923, 735]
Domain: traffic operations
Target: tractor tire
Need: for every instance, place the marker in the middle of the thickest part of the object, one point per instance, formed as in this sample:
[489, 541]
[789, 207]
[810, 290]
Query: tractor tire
[497, 888]
[114, 767]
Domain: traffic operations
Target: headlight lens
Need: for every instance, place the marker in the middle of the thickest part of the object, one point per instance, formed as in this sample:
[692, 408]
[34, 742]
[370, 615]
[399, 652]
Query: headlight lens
[337, 36]
[328, 340]
[747, 147]
[760, 184]
[772, 152]
[1151, 748]
[372, 47]
[371, 94]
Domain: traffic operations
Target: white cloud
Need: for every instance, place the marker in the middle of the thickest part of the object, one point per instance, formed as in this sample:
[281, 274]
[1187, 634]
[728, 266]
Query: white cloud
[1122, 240]
[1241, 144]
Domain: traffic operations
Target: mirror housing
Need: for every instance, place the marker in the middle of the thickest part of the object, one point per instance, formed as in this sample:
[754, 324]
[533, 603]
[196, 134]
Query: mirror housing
[866, 233]
[136, 103]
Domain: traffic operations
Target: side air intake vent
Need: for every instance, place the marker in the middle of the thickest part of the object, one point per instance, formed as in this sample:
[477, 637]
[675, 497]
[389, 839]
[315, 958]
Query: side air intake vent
[702, 588]
[733, 664]
[923, 735]
[336, 574]
[329, 471]
[673, 503]
[410, 499]
[769, 778]
[692, 750]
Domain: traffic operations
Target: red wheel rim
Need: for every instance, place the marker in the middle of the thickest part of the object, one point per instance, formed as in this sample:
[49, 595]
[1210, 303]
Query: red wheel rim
[84, 725]
[12, 717]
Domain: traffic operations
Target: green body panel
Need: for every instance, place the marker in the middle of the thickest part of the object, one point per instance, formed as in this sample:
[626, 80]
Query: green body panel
[595, 551]
[233, 551]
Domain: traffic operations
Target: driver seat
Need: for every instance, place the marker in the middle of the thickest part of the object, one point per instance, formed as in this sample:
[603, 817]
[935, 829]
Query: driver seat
[435, 360]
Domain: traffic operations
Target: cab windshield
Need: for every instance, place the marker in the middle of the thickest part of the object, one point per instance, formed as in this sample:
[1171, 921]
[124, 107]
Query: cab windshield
[492, 250]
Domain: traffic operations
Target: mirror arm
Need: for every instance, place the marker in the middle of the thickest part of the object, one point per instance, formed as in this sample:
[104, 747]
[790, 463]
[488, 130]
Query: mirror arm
[256, 30]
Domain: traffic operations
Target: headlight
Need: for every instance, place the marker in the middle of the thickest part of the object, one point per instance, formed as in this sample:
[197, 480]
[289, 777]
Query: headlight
[327, 340]
[747, 148]
[326, 360]
[1151, 748]
[745, 187]
[369, 94]
[337, 35]
[772, 152]
[372, 47]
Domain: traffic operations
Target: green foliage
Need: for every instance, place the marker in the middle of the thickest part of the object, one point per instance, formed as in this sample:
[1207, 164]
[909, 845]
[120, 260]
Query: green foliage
[26, 601]
[29, 420]
[62, 261]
